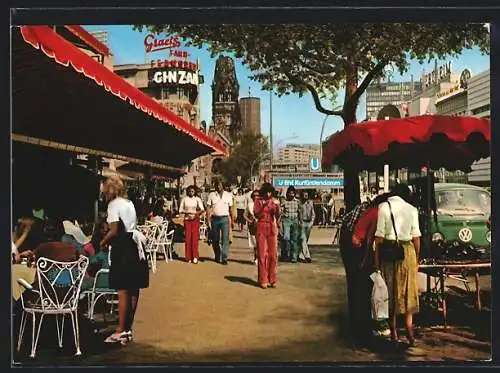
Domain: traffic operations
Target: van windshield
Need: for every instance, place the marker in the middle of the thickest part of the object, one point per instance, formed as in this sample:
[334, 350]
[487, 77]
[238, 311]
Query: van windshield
[463, 202]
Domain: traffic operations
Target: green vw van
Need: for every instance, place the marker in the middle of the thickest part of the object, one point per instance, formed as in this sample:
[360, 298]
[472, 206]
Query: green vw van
[463, 214]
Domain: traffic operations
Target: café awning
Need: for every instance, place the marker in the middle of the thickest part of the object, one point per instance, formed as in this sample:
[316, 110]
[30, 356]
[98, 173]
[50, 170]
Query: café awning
[62, 95]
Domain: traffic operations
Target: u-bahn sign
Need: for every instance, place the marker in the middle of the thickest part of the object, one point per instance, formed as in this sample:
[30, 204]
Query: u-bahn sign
[320, 182]
[314, 164]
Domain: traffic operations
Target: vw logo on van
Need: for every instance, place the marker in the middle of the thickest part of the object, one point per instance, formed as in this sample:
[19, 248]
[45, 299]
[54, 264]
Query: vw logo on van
[465, 234]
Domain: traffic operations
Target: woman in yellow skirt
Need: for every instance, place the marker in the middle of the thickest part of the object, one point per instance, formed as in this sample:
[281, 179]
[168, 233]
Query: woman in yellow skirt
[398, 220]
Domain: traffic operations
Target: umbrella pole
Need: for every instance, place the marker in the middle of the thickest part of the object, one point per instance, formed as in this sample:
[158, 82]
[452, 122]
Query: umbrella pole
[429, 181]
[386, 178]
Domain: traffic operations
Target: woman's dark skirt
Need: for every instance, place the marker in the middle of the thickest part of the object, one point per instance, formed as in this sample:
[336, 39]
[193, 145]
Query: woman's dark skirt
[240, 216]
[127, 271]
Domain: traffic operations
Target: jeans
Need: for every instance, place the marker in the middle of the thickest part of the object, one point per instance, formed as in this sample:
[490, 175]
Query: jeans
[289, 244]
[305, 232]
[220, 224]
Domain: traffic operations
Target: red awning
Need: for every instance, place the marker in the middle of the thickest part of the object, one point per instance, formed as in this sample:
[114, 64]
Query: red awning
[74, 109]
[444, 141]
[88, 38]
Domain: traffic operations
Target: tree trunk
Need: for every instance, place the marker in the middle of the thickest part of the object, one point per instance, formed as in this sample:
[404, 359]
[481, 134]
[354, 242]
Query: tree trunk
[351, 179]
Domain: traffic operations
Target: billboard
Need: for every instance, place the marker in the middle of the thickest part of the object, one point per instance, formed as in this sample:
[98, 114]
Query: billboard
[283, 182]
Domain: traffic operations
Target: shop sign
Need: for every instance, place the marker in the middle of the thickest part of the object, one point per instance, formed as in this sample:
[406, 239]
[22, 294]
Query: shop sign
[464, 78]
[152, 43]
[436, 75]
[449, 92]
[173, 77]
[176, 64]
[279, 182]
[179, 53]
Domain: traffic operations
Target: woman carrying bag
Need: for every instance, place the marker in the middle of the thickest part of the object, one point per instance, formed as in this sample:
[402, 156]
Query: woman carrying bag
[397, 249]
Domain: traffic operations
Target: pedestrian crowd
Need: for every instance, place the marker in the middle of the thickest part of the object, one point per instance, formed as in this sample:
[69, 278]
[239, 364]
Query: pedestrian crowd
[278, 229]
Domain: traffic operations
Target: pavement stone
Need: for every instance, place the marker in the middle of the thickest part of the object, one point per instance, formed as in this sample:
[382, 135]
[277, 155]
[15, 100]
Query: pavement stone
[208, 313]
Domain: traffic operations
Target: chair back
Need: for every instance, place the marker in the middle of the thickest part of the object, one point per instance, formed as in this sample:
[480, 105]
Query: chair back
[59, 283]
[162, 233]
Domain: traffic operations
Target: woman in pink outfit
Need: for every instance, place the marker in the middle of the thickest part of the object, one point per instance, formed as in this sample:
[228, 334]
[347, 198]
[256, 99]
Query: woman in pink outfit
[267, 213]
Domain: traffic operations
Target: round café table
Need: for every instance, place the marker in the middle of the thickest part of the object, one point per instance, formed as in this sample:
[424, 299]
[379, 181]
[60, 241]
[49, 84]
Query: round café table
[21, 271]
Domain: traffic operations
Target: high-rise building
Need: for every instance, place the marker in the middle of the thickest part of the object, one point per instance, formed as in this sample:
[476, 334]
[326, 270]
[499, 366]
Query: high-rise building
[434, 85]
[479, 104]
[250, 114]
[295, 157]
[389, 99]
[175, 83]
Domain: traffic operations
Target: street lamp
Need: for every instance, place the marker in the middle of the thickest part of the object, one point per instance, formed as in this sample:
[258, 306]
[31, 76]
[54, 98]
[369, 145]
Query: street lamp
[321, 141]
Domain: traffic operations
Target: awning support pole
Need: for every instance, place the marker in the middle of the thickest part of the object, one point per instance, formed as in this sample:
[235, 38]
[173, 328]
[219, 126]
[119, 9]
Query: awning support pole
[386, 178]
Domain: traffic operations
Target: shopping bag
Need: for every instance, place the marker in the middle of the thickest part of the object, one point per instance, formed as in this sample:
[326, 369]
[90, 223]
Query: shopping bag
[380, 297]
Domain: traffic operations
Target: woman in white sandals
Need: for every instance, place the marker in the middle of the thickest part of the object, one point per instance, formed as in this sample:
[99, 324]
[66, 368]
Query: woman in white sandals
[128, 272]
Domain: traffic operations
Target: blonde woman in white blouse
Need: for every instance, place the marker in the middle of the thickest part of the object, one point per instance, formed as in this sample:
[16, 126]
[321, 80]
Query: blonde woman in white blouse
[192, 208]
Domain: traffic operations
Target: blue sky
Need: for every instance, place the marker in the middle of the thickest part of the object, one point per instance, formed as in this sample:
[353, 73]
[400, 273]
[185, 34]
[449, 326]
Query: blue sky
[294, 119]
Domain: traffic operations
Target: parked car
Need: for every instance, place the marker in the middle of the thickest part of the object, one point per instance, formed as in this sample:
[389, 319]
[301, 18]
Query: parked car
[463, 215]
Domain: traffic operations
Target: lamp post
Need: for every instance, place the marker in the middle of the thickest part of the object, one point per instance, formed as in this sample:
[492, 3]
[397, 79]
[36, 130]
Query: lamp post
[321, 142]
[251, 173]
[271, 126]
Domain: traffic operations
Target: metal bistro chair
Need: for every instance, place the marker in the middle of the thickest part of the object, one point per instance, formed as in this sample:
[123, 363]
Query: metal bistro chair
[163, 241]
[100, 291]
[203, 228]
[150, 230]
[56, 291]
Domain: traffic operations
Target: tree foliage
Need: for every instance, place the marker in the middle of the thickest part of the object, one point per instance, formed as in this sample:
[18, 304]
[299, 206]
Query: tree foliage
[324, 58]
[296, 58]
[246, 157]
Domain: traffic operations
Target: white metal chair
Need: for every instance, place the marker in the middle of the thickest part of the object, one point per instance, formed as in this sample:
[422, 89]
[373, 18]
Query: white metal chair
[56, 291]
[203, 228]
[151, 231]
[100, 290]
[163, 241]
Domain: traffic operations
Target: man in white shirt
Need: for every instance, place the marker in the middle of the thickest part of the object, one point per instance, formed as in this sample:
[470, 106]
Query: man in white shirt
[219, 208]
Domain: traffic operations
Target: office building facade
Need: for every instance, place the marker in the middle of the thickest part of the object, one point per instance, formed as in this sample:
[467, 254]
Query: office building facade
[250, 114]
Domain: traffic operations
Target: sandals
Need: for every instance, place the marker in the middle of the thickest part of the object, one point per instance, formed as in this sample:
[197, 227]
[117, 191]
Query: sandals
[119, 337]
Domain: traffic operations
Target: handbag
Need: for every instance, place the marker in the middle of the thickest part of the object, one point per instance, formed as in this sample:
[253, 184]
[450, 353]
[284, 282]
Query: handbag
[252, 228]
[391, 251]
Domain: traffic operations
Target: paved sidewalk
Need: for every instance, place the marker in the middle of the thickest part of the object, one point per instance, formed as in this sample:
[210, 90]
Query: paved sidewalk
[211, 313]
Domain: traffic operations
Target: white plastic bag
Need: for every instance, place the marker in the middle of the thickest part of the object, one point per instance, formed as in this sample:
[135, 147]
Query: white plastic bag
[380, 297]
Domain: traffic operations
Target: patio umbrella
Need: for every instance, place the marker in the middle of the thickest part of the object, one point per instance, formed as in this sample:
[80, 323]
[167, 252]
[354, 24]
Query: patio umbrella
[435, 141]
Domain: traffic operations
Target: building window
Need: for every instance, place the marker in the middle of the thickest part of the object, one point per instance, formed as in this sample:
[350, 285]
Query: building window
[480, 109]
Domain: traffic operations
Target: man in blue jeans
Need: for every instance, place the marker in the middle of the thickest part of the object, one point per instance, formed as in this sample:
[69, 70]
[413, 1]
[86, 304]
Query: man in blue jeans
[290, 220]
[219, 217]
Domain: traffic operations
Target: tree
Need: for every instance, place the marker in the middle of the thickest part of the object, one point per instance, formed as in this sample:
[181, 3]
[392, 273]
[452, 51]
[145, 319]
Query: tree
[323, 59]
[246, 157]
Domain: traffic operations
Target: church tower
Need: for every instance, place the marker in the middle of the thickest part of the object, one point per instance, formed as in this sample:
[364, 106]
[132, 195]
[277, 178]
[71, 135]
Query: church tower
[226, 116]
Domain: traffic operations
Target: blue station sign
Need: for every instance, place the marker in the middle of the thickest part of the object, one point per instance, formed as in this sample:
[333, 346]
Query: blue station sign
[282, 182]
